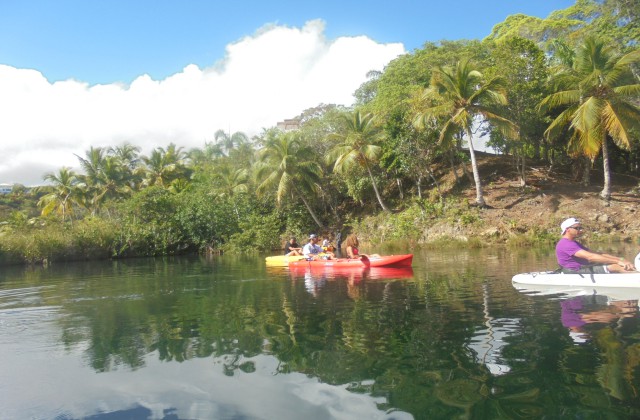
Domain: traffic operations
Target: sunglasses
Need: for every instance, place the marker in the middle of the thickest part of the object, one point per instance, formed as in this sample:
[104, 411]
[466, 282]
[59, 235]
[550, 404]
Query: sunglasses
[578, 228]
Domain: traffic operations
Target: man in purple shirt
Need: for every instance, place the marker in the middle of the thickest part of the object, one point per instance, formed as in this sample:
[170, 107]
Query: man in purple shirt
[574, 257]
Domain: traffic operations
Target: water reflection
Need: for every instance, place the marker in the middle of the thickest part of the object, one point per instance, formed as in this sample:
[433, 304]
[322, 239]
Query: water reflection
[490, 340]
[315, 278]
[230, 338]
[606, 324]
[196, 389]
[579, 311]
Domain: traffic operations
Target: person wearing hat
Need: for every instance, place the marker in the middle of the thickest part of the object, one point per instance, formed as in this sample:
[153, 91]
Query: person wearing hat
[574, 257]
[312, 250]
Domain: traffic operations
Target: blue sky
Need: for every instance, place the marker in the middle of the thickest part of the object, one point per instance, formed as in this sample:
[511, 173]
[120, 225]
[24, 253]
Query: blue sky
[81, 73]
[102, 41]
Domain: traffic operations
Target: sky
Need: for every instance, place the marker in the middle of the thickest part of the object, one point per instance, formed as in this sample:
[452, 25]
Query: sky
[81, 73]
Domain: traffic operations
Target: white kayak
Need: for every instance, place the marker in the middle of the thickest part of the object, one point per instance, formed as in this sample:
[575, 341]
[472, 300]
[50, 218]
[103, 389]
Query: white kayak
[561, 291]
[550, 278]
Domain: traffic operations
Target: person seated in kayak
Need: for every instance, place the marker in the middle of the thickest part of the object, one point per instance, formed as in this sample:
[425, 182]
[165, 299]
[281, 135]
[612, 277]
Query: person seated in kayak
[574, 257]
[292, 248]
[326, 245]
[352, 248]
[314, 251]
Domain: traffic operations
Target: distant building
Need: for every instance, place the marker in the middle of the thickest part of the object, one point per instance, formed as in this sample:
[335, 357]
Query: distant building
[6, 188]
[289, 125]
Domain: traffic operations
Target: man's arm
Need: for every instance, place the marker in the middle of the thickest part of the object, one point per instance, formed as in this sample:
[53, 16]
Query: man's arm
[596, 258]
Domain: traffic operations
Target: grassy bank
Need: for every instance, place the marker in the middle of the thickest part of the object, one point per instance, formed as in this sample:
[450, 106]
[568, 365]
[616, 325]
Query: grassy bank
[447, 223]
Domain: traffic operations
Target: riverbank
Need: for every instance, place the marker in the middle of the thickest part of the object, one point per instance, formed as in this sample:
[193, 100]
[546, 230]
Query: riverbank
[514, 216]
[517, 215]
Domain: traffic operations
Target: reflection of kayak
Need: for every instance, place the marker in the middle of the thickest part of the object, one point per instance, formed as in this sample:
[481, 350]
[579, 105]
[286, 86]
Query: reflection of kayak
[282, 260]
[354, 273]
[390, 273]
[382, 261]
[549, 278]
[613, 293]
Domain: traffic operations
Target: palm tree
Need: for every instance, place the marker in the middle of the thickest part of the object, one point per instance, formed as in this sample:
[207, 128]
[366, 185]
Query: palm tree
[164, 166]
[358, 144]
[285, 163]
[93, 163]
[230, 182]
[128, 155]
[61, 198]
[107, 175]
[206, 155]
[599, 94]
[462, 98]
[230, 141]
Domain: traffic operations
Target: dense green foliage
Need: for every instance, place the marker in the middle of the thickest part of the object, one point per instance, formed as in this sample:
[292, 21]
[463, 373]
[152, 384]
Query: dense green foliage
[539, 88]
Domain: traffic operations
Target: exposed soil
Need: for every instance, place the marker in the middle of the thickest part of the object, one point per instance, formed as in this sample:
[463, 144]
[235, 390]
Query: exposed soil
[548, 198]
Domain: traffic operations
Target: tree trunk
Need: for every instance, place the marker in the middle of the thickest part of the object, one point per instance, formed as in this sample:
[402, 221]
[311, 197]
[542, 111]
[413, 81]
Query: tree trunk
[606, 191]
[310, 210]
[435, 181]
[375, 188]
[586, 174]
[466, 173]
[453, 166]
[476, 174]
[521, 170]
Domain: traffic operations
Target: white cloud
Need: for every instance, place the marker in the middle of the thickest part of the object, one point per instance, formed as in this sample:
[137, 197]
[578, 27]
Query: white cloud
[264, 78]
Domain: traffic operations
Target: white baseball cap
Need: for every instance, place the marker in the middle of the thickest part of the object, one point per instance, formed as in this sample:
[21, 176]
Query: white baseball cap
[313, 236]
[568, 223]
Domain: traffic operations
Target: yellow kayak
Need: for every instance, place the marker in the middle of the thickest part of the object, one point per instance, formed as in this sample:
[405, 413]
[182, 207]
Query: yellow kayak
[282, 260]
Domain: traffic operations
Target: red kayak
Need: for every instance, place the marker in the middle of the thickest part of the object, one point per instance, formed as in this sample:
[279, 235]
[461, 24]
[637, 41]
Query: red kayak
[382, 261]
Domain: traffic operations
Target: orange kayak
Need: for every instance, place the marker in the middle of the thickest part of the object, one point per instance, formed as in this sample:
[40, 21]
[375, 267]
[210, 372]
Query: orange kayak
[404, 260]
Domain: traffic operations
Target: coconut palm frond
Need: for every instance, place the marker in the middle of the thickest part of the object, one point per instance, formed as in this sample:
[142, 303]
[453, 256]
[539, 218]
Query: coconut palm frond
[560, 123]
[627, 90]
[588, 114]
[559, 99]
[618, 119]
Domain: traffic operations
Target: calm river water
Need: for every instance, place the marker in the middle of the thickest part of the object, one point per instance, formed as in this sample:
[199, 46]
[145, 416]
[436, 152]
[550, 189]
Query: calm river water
[227, 338]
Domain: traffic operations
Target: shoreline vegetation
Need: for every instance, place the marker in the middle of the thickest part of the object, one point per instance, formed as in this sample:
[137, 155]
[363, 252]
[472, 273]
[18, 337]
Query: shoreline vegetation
[404, 165]
[527, 216]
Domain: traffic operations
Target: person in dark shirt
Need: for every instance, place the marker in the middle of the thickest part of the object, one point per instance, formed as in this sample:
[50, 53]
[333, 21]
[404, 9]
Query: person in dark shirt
[292, 248]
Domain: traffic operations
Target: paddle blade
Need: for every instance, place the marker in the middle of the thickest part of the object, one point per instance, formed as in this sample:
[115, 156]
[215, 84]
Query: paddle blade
[365, 260]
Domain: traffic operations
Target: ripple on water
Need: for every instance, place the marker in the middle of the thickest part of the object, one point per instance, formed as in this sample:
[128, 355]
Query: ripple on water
[25, 296]
[20, 326]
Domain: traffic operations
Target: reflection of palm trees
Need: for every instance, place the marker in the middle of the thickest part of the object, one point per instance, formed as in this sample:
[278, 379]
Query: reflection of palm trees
[488, 343]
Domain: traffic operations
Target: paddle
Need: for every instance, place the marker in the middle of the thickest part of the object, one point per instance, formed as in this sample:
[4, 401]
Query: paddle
[365, 260]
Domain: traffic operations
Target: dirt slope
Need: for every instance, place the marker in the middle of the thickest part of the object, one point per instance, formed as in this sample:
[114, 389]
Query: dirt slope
[548, 198]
